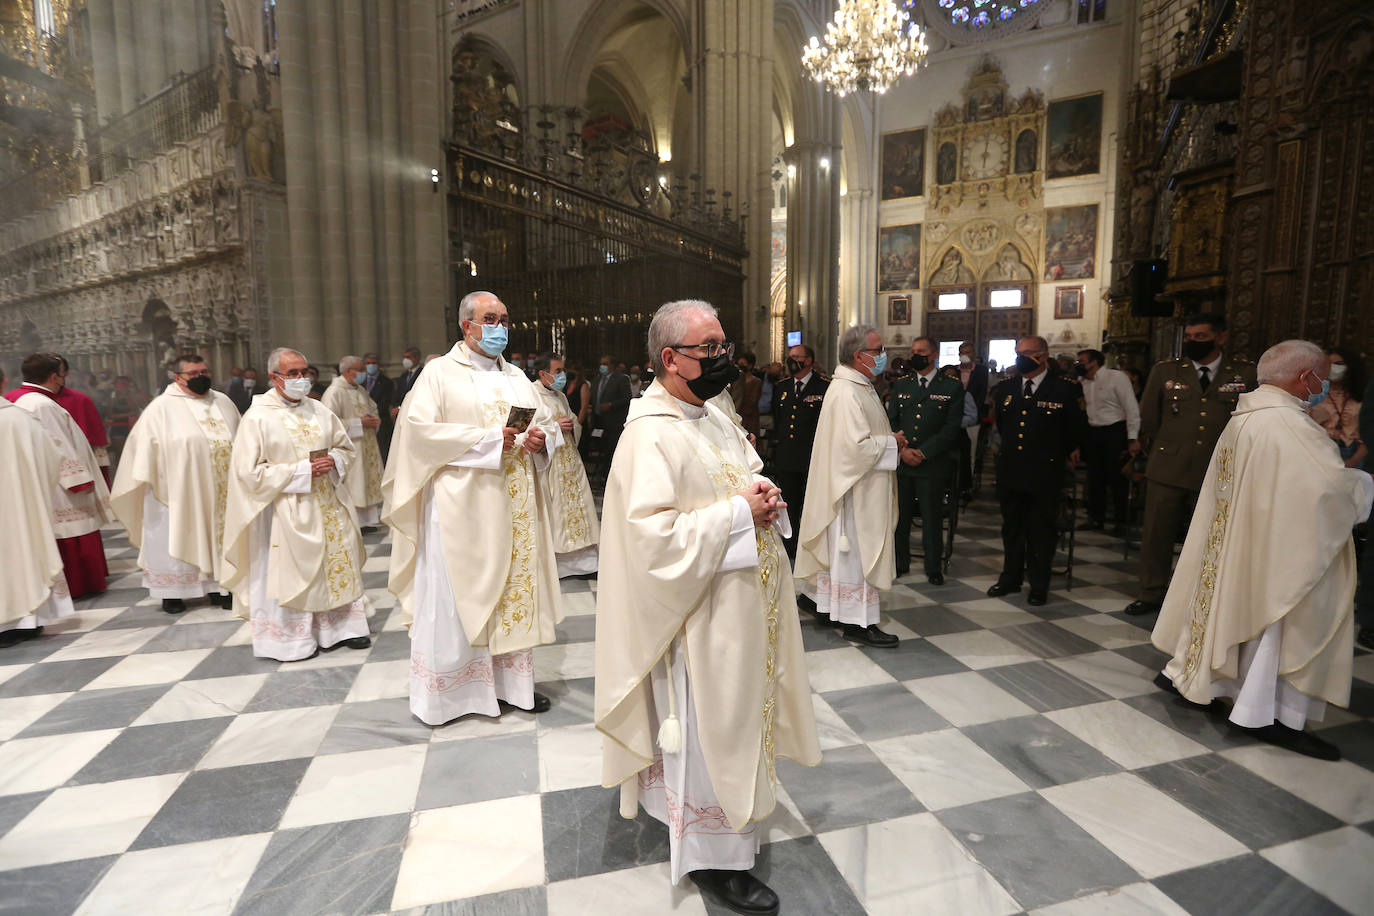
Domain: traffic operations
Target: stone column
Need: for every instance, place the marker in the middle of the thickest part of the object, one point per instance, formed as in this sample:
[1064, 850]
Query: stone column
[127, 59]
[859, 239]
[813, 239]
[104, 60]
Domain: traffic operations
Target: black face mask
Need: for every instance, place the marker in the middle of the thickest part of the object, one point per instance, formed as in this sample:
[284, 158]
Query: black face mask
[1080, 370]
[1197, 349]
[717, 372]
[794, 366]
[1024, 364]
[918, 363]
[199, 385]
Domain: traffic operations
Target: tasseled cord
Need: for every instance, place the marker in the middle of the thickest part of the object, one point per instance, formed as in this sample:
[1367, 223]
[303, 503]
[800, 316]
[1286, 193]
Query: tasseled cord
[670, 731]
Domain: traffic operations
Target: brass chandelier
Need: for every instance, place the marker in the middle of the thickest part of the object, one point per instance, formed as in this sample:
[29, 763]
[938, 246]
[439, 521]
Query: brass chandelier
[870, 44]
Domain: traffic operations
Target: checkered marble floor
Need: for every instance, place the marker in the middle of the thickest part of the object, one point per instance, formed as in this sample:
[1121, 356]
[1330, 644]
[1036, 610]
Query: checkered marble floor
[1003, 759]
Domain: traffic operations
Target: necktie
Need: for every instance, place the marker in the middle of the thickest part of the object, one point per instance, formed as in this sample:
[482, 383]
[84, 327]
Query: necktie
[1204, 377]
[923, 383]
[799, 387]
[1030, 388]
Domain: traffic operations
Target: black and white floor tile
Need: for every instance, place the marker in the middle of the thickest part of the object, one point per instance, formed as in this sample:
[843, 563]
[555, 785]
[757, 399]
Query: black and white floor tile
[1003, 759]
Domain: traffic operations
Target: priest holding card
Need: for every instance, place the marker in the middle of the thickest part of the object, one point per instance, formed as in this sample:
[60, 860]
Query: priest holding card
[293, 556]
[700, 680]
[472, 557]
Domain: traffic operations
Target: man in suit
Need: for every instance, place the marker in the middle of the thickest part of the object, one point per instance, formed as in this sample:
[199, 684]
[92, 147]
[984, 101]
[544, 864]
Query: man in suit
[796, 407]
[242, 389]
[610, 406]
[1185, 406]
[380, 388]
[745, 391]
[411, 364]
[928, 407]
[1364, 594]
[1041, 419]
[974, 376]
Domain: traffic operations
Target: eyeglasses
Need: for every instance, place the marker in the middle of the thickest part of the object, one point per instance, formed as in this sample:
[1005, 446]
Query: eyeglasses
[204, 373]
[504, 321]
[873, 350]
[293, 373]
[708, 350]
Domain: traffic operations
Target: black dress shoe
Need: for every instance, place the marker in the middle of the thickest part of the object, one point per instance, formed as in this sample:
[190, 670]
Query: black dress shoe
[1163, 683]
[1036, 599]
[356, 642]
[1296, 740]
[1366, 637]
[367, 529]
[935, 579]
[1141, 608]
[737, 891]
[15, 637]
[903, 572]
[224, 601]
[541, 704]
[870, 636]
[998, 590]
[806, 603]
[173, 605]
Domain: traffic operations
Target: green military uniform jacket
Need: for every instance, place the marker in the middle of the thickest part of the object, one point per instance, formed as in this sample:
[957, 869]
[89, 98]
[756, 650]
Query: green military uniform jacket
[930, 419]
[1181, 423]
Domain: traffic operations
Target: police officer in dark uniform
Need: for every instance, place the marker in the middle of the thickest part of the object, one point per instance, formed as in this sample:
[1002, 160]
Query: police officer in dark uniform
[1042, 420]
[1185, 406]
[928, 406]
[796, 408]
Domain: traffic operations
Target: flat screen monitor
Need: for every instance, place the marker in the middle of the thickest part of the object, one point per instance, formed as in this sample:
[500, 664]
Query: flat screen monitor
[794, 338]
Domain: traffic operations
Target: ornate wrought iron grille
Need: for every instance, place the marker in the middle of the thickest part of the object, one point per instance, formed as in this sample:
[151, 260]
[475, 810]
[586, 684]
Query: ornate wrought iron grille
[581, 272]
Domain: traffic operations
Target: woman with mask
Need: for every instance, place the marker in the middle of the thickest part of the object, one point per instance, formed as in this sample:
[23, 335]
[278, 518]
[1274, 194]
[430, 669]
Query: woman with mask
[1339, 412]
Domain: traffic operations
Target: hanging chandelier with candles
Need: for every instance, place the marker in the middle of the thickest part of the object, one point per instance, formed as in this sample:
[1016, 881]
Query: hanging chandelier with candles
[870, 44]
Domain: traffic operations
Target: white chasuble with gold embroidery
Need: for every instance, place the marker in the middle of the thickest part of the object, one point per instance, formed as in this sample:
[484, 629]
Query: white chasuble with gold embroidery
[315, 559]
[33, 585]
[845, 547]
[351, 403]
[172, 489]
[81, 503]
[671, 585]
[567, 491]
[1266, 579]
[472, 557]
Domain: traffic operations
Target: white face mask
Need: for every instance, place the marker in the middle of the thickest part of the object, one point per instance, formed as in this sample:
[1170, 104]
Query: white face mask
[1338, 371]
[248, 384]
[965, 359]
[297, 388]
[408, 364]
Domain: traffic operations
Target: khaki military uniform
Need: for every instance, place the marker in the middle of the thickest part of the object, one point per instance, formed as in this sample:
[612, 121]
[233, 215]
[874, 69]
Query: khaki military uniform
[1179, 425]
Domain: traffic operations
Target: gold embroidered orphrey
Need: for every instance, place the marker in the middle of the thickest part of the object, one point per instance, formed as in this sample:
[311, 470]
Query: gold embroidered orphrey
[340, 572]
[518, 596]
[216, 433]
[1207, 580]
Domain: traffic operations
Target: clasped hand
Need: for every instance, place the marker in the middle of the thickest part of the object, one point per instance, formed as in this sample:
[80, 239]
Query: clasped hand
[765, 502]
[565, 424]
[371, 422]
[534, 438]
[321, 466]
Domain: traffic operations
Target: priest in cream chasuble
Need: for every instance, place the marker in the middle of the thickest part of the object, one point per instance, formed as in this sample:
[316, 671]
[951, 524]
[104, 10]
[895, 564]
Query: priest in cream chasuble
[845, 550]
[1259, 610]
[576, 529]
[33, 591]
[293, 555]
[352, 404]
[172, 487]
[472, 556]
[81, 503]
[701, 684]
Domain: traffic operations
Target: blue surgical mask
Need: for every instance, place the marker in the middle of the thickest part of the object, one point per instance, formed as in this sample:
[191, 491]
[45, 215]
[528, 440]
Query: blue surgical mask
[371, 369]
[494, 339]
[604, 370]
[560, 381]
[880, 363]
[1314, 399]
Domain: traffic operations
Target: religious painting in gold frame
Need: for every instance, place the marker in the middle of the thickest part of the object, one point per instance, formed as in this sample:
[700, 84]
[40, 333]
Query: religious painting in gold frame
[904, 164]
[1068, 302]
[899, 310]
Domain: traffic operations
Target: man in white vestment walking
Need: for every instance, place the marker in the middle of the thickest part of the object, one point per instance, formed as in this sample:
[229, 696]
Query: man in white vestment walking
[33, 590]
[700, 678]
[845, 550]
[293, 556]
[351, 403]
[576, 528]
[472, 557]
[1259, 610]
[172, 487]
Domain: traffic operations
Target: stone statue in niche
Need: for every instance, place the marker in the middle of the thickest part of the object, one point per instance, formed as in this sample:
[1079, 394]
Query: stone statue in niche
[1008, 266]
[946, 163]
[951, 270]
[1026, 143]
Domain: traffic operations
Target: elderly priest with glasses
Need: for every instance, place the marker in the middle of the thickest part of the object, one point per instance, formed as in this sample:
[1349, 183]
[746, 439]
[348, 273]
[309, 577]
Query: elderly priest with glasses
[472, 559]
[293, 555]
[700, 681]
[172, 487]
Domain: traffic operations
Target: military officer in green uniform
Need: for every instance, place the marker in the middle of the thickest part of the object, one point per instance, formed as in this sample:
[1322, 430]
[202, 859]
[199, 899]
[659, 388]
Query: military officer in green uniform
[796, 409]
[928, 407]
[1186, 404]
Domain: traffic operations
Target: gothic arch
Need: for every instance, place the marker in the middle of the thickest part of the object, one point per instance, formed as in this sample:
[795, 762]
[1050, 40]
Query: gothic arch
[951, 268]
[600, 21]
[484, 46]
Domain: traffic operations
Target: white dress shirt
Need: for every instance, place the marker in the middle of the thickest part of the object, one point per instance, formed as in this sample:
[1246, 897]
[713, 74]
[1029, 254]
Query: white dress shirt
[1111, 399]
